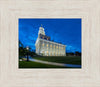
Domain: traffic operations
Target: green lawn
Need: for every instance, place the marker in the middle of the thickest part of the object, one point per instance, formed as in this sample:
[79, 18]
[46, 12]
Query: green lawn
[66, 59]
[29, 64]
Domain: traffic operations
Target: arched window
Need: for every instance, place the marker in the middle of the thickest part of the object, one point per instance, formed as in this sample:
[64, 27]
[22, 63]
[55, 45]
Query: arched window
[57, 47]
[47, 45]
[43, 44]
[50, 45]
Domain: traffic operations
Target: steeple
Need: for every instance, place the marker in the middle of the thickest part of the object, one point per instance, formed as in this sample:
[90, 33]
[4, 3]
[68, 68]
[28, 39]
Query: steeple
[41, 25]
[41, 30]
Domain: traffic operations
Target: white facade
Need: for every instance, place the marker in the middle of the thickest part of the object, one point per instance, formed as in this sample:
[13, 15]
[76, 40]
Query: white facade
[46, 47]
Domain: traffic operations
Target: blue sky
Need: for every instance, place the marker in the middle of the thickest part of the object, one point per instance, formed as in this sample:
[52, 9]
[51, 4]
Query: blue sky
[66, 31]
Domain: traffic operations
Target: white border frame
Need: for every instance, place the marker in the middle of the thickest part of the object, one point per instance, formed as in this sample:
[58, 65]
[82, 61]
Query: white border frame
[12, 76]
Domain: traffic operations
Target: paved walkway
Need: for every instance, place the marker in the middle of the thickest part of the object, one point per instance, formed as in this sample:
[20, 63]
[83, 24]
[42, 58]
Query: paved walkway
[54, 63]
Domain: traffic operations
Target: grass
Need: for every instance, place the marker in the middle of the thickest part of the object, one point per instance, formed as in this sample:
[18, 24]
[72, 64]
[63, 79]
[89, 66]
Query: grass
[67, 59]
[29, 64]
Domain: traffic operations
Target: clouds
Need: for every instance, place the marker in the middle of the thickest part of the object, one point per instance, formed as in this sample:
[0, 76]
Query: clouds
[67, 31]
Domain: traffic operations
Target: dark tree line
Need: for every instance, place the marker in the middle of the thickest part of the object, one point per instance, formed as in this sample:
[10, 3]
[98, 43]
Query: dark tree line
[73, 54]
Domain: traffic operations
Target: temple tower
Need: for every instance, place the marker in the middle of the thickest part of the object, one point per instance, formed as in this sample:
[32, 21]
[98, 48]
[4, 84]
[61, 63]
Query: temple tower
[41, 30]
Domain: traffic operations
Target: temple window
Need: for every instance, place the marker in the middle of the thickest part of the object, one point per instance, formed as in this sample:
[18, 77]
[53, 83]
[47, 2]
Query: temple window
[50, 45]
[43, 44]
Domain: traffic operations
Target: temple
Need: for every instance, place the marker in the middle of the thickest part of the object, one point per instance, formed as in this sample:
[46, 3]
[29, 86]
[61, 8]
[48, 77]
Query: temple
[46, 47]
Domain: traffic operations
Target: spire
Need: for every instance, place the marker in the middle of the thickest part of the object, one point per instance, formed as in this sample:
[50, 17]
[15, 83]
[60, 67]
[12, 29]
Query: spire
[41, 25]
[41, 30]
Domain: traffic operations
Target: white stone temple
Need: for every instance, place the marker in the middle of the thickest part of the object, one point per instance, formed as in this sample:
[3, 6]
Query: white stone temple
[46, 47]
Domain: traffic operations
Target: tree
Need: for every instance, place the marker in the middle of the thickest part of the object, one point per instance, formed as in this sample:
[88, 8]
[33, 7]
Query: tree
[77, 53]
[23, 51]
